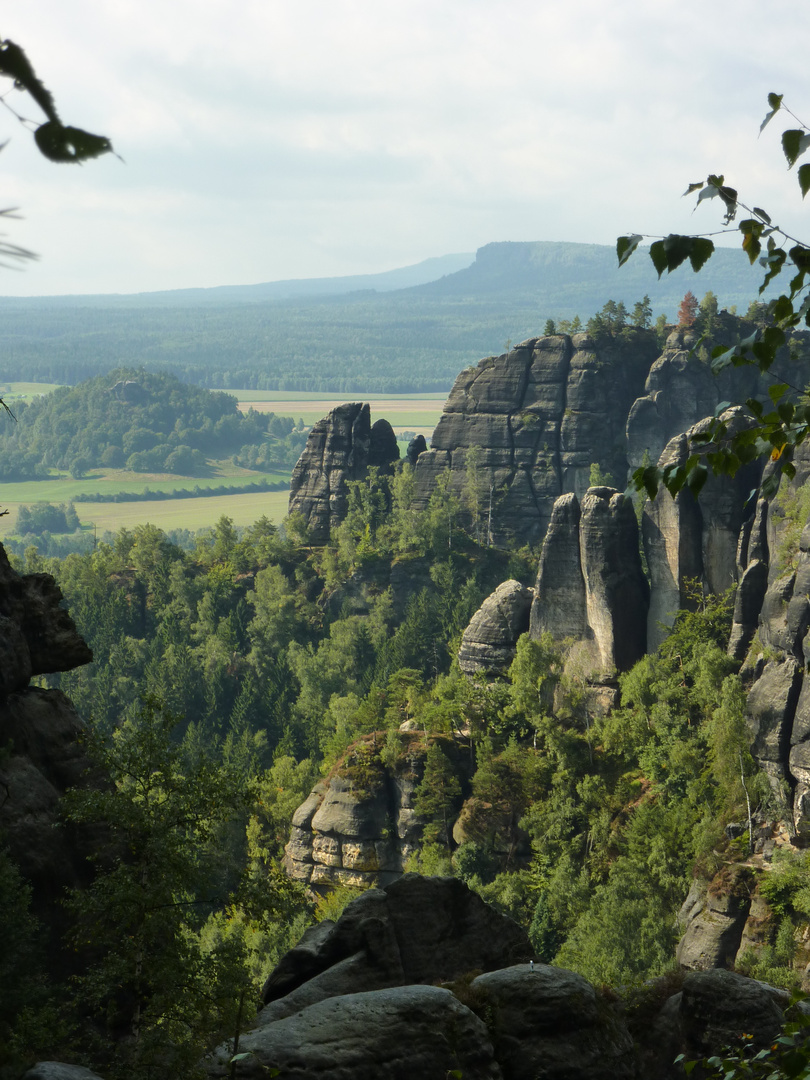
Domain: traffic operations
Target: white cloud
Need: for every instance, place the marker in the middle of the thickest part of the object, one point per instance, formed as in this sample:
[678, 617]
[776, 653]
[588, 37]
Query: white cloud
[264, 140]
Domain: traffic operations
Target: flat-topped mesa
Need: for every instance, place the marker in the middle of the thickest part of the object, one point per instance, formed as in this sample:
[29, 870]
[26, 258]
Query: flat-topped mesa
[341, 447]
[540, 416]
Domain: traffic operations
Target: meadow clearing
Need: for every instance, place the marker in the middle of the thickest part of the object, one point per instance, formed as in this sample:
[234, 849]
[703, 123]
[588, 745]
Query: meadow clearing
[406, 412]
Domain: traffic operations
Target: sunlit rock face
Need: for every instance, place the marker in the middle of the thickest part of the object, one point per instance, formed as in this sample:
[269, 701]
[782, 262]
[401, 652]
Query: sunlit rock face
[489, 641]
[341, 447]
[539, 417]
[591, 590]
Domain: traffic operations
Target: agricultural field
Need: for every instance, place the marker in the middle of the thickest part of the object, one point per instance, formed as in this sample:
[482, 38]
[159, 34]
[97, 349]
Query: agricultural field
[418, 413]
[168, 513]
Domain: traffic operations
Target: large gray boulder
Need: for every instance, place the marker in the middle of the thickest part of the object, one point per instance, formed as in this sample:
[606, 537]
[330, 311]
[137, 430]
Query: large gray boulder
[341, 447]
[550, 1024]
[713, 918]
[489, 641]
[58, 1070]
[398, 1033]
[416, 930]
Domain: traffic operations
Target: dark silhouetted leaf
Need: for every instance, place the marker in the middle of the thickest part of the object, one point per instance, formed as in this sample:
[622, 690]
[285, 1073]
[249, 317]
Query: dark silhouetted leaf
[16, 65]
[626, 245]
[658, 256]
[804, 179]
[794, 144]
[60, 143]
[775, 102]
[702, 251]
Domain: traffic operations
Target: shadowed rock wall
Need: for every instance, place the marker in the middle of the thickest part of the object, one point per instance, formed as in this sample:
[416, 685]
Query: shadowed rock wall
[341, 447]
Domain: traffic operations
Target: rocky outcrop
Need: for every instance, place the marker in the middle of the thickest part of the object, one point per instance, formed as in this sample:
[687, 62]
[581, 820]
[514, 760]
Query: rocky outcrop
[546, 1021]
[539, 416]
[359, 827]
[590, 586]
[713, 919]
[353, 999]
[488, 643]
[341, 447]
[41, 736]
[415, 930]
[396, 1033]
[692, 543]
[681, 388]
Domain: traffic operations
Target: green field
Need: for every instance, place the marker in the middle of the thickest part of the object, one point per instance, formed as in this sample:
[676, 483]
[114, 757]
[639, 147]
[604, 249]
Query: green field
[190, 514]
[405, 412]
[186, 513]
[24, 391]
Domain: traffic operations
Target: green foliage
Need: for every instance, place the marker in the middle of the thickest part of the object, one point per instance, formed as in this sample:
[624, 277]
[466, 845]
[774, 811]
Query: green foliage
[148, 422]
[777, 432]
[787, 1058]
[44, 517]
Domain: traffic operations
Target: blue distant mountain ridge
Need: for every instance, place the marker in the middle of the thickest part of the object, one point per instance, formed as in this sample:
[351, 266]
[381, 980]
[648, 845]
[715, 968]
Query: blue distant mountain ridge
[402, 331]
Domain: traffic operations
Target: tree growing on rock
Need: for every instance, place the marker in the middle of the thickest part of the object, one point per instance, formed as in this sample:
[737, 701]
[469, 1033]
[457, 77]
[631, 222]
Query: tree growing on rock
[688, 310]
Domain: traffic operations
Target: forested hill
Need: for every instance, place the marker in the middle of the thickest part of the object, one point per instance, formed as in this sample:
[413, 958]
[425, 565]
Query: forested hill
[406, 340]
[147, 422]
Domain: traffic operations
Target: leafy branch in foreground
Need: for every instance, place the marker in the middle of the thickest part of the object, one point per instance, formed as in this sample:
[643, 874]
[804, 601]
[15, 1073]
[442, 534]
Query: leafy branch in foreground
[778, 432]
[55, 140]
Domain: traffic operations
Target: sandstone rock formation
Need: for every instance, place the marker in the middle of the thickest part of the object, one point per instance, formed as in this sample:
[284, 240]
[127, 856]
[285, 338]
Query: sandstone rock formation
[681, 389]
[41, 730]
[540, 415]
[415, 930]
[396, 1033]
[488, 643]
[590, 586]
[546, 1021]
[342, 446]
[713, 918]
[359, 826]
[692, 542]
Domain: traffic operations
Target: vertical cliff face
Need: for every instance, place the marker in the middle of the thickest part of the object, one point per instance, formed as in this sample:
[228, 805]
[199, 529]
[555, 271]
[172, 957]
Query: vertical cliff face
[41, 733]
[692, 542]
[341, 447]
[539, 416]
[591, 587]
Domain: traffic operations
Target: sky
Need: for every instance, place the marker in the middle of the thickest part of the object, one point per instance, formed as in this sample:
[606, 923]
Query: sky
[262, 140]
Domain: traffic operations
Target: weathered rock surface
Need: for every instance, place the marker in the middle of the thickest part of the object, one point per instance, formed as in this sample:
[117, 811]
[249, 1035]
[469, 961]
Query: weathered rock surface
[690, 541]
[41, 730]
[590, 585]
[37, 636]
[360, 827]
[681, 390]
[712, 1011]
[58, 1070]
[488, 643]
[399, 1033]
[341, 447]
[415, 930]
[548, 1022]
[351, 1000]
[540, 416]
[713, 917]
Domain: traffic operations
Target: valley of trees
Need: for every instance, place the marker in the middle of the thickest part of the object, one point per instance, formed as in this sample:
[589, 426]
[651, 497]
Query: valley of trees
[227, 678]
